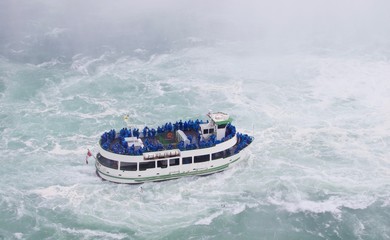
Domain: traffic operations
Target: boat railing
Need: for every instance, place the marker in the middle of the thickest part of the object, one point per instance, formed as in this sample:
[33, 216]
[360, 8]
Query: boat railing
[128, 142]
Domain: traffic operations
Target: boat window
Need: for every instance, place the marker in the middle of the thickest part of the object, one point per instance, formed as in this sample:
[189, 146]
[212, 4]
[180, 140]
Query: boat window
[217, 155]
[205, 131]
[228, 152]
[174, 162]
[202, 158]
[128, 166]
[107, 162]
[162, 164]
[146, 165]
[222, 126]
[187, 160]
[211, 130]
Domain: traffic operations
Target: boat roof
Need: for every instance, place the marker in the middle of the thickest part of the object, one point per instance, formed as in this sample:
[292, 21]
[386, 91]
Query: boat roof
[220, 118]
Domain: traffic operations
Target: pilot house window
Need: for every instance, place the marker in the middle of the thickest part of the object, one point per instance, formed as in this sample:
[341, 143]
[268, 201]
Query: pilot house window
[107, 162]
[217, 155]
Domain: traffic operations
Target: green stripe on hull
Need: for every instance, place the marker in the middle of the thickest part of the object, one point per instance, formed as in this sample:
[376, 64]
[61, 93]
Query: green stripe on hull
[176, 175]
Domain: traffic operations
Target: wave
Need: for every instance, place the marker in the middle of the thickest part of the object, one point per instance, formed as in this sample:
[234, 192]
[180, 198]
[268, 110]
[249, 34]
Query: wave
[334, 204]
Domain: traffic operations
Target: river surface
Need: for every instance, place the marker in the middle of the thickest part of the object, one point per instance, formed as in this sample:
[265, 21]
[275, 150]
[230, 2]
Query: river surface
[310, 81]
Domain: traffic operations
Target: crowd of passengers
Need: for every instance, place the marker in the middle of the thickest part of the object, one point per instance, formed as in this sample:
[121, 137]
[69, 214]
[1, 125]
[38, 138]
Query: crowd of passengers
[167, 127]
[121, 146]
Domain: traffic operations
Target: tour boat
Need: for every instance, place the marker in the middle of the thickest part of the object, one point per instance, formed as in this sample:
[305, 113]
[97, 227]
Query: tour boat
[170, 151]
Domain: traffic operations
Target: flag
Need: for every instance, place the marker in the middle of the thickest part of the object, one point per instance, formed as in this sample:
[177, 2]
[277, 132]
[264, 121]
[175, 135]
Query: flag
[89, 154]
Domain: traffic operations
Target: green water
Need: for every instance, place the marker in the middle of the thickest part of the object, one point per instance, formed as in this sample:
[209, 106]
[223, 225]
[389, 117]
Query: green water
[311, 84]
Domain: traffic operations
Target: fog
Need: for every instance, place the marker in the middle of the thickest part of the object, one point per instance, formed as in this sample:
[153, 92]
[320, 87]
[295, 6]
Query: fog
[64, 28]
[309, 79]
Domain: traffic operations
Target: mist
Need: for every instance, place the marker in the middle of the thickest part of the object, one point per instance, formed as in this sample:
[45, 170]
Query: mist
[46, 29]
[309, 79]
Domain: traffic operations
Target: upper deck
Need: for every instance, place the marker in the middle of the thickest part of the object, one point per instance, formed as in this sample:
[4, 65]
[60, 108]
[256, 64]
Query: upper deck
[170, 150]
[188, 135]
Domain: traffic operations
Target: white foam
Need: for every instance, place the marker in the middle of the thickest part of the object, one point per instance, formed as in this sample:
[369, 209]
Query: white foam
[51, 63]
[82, 64]
[58, 150]
[334, 204]
[140, 50]
[55, 32]
[18, 235]
[17, 51]
[350, 79]
[209, 219]
[72, 196]
[195, 39]
[87, 233]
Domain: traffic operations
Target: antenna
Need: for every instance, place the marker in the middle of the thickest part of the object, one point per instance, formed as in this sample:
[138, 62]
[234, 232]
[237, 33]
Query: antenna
[209, 113]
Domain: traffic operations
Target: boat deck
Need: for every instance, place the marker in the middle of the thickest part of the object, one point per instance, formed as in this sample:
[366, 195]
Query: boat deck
[161, 141]
[132, 142]
[170, 139]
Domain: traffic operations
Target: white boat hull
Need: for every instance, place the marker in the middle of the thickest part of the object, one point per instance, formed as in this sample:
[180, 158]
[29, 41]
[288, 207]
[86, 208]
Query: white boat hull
[171, 172]
[173, 151]
[154, 175]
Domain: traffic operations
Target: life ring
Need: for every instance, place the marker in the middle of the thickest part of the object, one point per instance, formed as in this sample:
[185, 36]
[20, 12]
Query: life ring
[170, 135]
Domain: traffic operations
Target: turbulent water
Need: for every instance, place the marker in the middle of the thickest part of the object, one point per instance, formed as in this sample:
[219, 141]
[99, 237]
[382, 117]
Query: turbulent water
[310, 81]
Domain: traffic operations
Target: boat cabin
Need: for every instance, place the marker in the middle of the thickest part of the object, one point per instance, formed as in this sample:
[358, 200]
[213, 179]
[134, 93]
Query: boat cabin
[216, 126]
